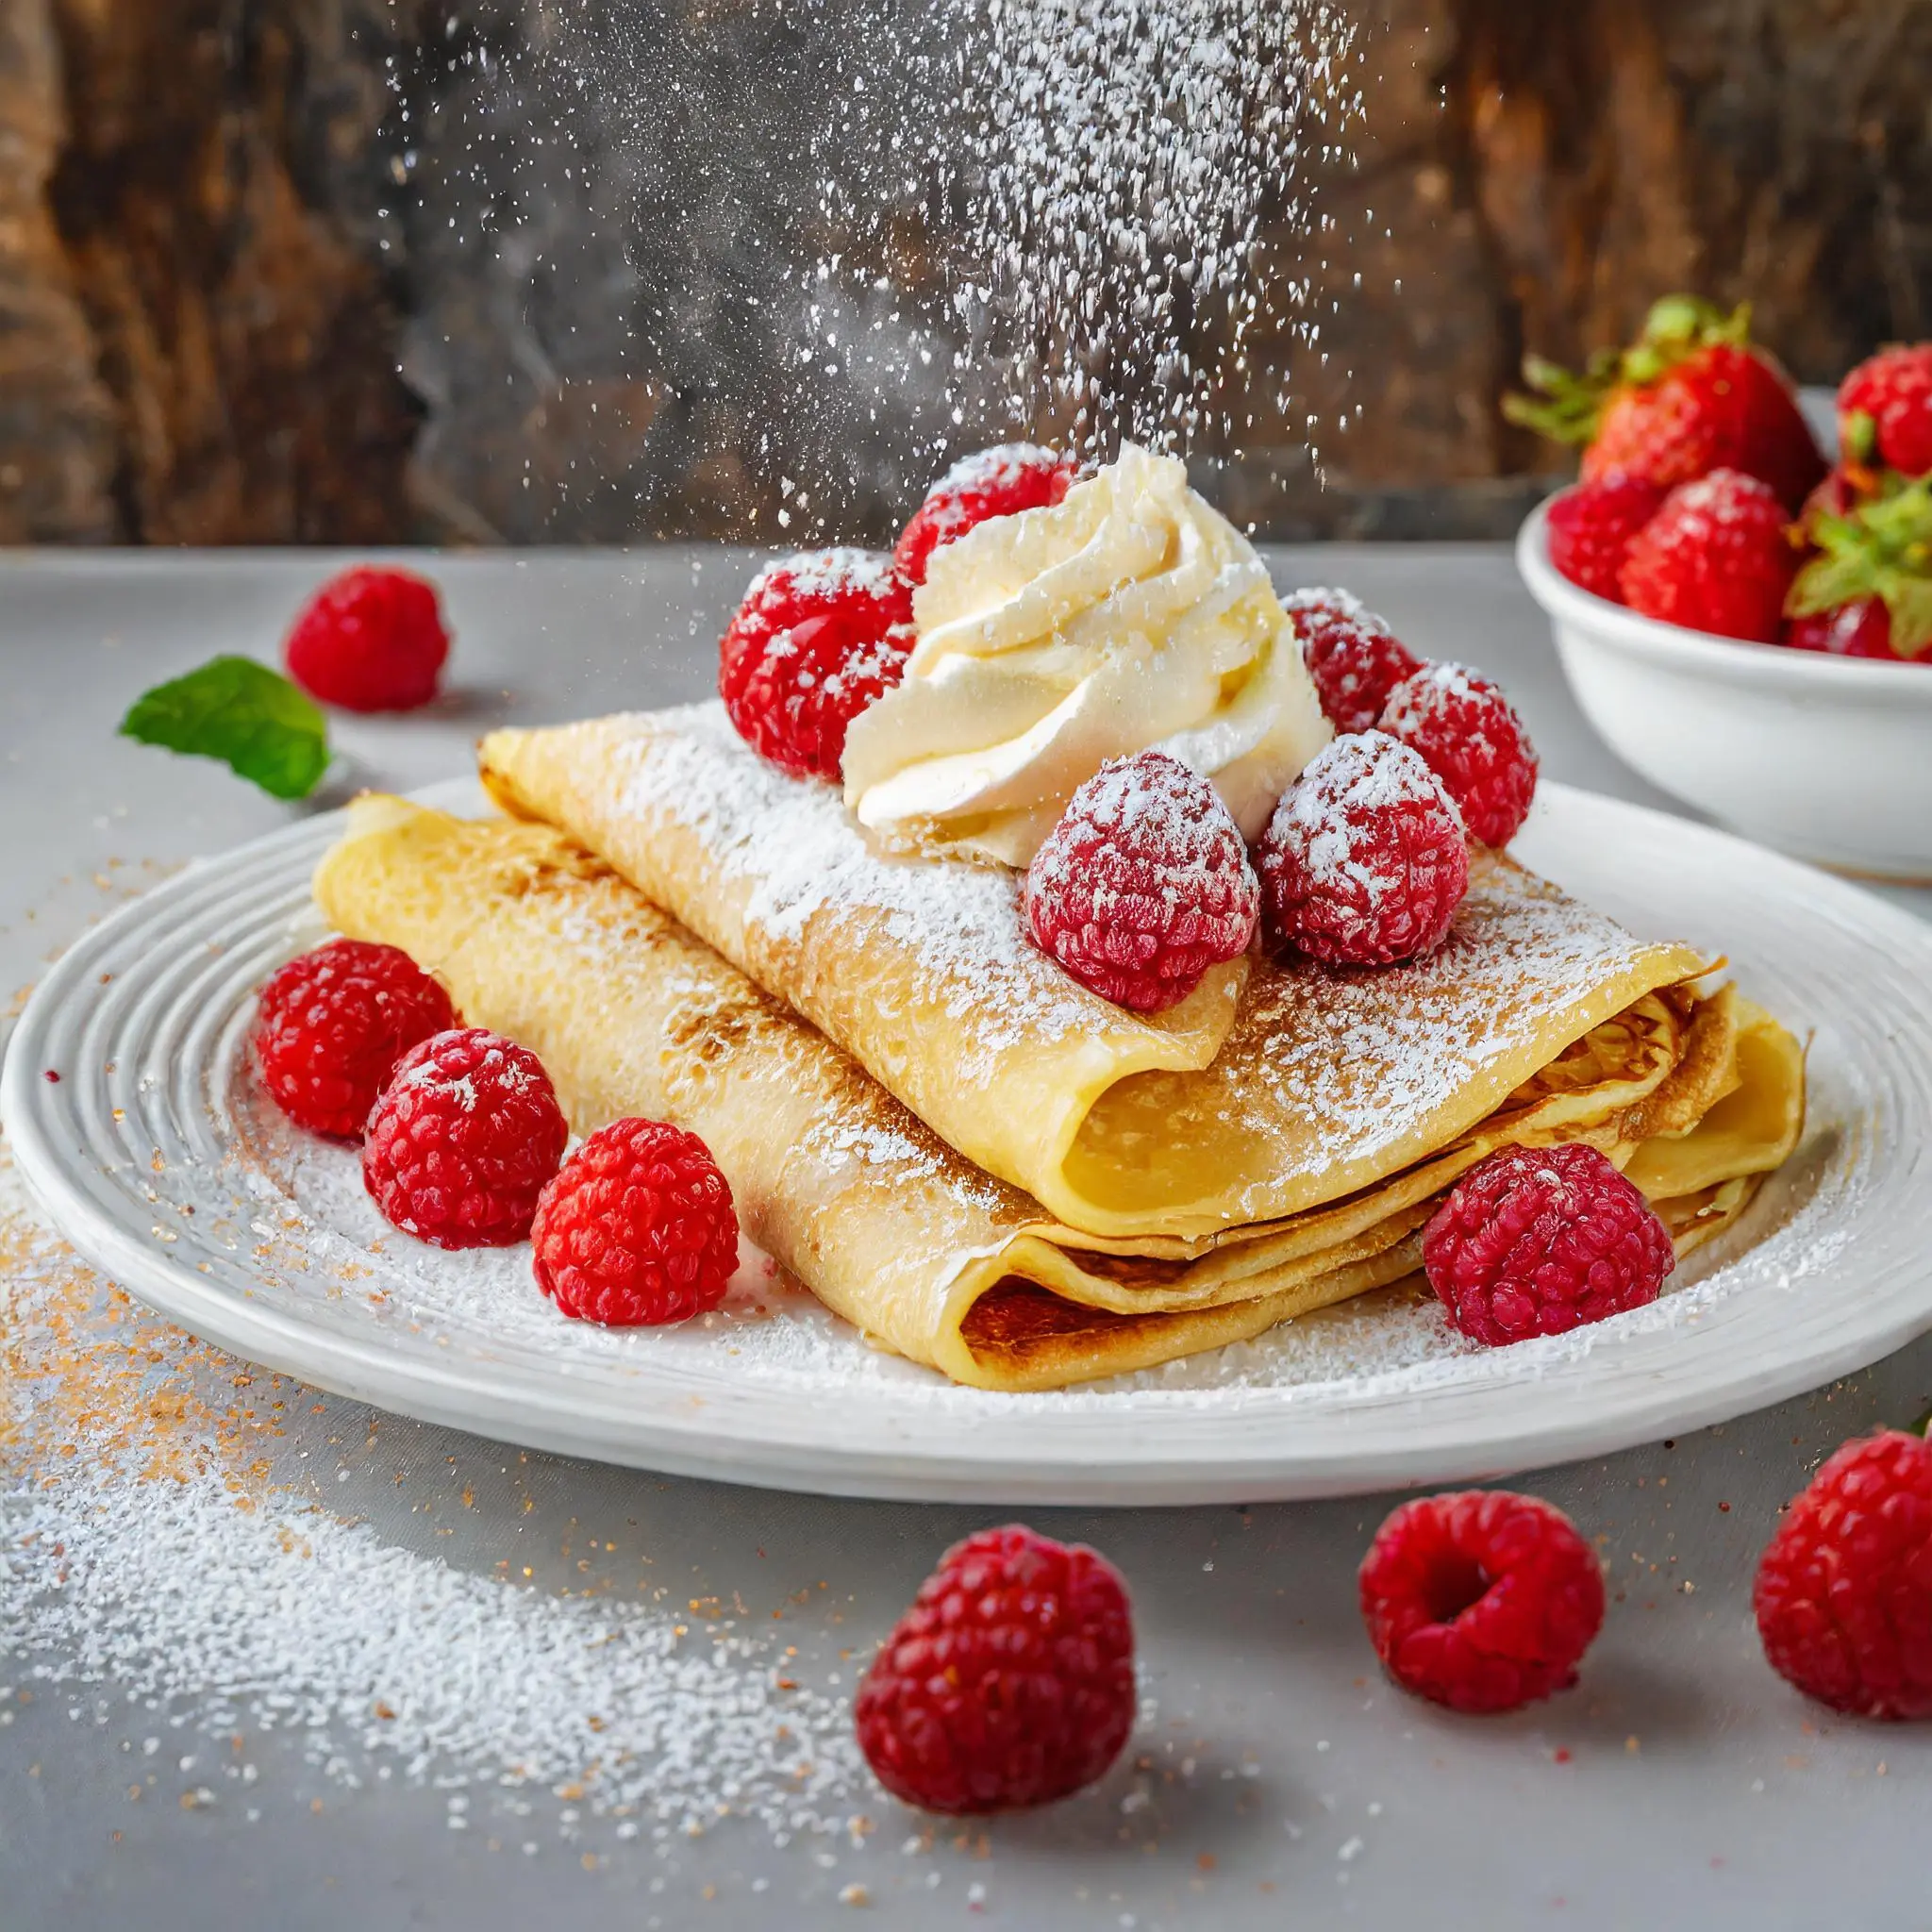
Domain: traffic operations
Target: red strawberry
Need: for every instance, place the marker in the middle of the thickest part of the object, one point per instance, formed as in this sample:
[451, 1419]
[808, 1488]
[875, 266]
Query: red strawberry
[1885, 410]
[1717, 558]
[1875, 561]
[1591, 527]
[1691, 396]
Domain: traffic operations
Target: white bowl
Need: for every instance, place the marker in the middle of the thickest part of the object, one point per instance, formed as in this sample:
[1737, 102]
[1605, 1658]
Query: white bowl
[1827, 758]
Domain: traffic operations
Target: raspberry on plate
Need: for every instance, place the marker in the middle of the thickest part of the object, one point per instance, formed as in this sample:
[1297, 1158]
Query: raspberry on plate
[1008, 1683]
[1717, 558]
[1538, 1241]
[463, 1140]
[1483, 1601]
[818, 637]
[370, 640]
[1365, 860]
[1885, 410]
[995, 483]
[1844, 1589]
[636, 1228]
[1352, 656]
[1470, 736]
[1591, 529]
[331, 1025]
[1143, 884]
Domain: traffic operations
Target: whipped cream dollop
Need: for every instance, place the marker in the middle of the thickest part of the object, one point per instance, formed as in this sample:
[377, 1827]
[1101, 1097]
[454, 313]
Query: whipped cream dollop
[1130, 616]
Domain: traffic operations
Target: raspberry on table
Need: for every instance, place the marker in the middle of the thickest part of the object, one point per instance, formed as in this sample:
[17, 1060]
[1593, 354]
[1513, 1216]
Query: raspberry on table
[1008, 1683]
[1885, 410]
[331, 1025]
[370, 640]
[993, 483]
[1591, 529]
[1538, 1241]
[819, 637]
[1470, 736]
[1352, 656]
[1143, 885]
[1483, 1601]
[636, 1228]
[1365, 860]
[463, 1140]
[1718, 557]
[1844, 1590]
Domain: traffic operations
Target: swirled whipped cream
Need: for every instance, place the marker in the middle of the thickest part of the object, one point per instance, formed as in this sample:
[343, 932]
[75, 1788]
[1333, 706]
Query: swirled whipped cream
[1131, 615]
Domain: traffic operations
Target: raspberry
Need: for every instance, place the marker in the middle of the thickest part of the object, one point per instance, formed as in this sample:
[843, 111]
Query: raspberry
[1592, 526]
[1353, 658]
[1717, 558]
[1365, 860]
[1143, 885]
[818, 637]
[1483, 1601]
[1844, 1590]
[636, 1228]
[1885, 410]
[369, 641]
[1853, 630]
[995, 483]
[331, 1025]
[1471, 738]
[1538, 1241]
[1009, 1682]
[463, 1141]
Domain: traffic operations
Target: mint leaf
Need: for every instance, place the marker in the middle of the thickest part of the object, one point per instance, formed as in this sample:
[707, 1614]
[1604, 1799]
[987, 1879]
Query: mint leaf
[243, 714]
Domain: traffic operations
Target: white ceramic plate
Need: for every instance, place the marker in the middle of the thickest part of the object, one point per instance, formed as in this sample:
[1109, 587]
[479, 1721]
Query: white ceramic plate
[159, 1160]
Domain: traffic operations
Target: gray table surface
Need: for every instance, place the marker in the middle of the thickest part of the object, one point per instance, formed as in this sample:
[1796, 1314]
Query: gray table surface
[1682, 1785]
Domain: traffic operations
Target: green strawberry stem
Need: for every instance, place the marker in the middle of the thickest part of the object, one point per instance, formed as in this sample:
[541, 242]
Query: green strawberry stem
[1568, 407]
[1882, 549]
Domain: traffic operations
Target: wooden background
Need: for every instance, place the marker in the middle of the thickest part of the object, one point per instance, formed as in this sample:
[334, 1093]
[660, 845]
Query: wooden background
[302, 271]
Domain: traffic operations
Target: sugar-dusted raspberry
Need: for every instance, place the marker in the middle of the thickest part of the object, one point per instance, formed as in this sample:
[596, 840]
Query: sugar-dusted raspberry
[1471, 737]
[1009, 1682]
[1483, 1601]
[636, 1228]
[1143, 885]
[818, 637]
[463, 1140]
[995, 483]
[1365, 860]
[370, 640]
[1719, 557]
[1844, 1590]
[1591, 529]
[331, 1025]
[1352, 656]
[1538, 1241]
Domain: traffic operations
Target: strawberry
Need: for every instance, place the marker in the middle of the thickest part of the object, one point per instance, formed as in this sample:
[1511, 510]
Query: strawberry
[1591, 528]
[1884, 411]
[1719, 557]
[1879, 554]
[1691, 396]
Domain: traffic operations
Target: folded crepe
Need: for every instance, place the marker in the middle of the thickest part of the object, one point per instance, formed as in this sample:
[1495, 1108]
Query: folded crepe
[890, 1225]
[1277, 1088]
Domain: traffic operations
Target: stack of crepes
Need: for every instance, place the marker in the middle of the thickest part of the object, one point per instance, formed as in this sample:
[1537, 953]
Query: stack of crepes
[975, 1162]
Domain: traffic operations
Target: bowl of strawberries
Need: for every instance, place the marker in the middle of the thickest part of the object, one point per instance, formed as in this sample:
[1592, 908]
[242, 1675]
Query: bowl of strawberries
[1744, 622]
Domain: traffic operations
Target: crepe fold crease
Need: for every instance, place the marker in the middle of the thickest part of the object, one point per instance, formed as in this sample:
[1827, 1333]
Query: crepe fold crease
[538, 936]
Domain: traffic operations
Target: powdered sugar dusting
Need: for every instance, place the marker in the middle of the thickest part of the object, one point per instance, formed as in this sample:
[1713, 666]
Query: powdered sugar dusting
[829, 574]
[796, 841]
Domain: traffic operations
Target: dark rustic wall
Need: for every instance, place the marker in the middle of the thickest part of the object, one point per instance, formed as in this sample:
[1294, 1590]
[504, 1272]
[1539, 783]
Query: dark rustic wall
[339, 270]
